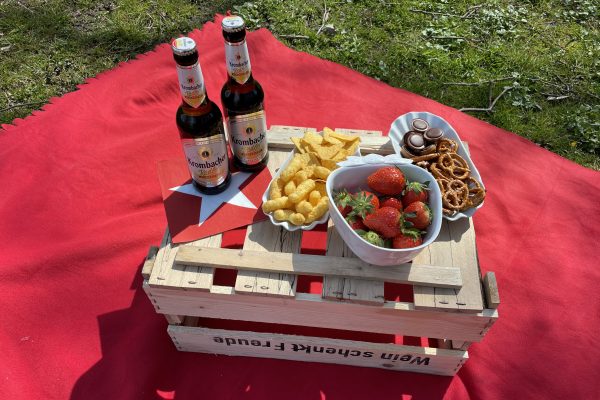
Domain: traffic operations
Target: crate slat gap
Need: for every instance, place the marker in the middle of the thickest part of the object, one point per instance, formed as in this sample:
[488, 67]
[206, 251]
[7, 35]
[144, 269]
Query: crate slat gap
[455, 315]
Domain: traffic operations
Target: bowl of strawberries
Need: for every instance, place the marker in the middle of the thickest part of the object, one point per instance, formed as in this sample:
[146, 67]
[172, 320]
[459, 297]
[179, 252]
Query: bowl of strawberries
[386, 210]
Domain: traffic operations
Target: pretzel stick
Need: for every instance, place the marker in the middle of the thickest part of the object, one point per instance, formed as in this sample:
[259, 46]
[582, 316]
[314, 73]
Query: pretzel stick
[426, 157]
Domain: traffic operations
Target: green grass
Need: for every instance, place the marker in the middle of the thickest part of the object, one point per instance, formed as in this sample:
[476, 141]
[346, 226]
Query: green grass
[546, 52]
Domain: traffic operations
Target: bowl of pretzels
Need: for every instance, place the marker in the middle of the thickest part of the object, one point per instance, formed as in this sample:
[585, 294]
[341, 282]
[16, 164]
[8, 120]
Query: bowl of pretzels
[433, 144]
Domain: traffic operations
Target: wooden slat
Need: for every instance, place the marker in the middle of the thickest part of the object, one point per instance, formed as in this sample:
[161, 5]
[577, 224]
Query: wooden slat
[490, 287]
[280, 140]
[168, 273]
[149, 263]
[191, 321]
[349, 289]
[289, 131]
[460, 235]
[360, 132]
[174, 319]
[312, 310]
[460, 345]
[343, 288]
[315, 349]
[437, 252]
[307, 264]
[265, 237]
[455, 246]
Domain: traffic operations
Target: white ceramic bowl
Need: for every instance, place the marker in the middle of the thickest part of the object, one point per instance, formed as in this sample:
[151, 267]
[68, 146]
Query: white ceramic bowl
[285, 224]
[401, 125]
[355, 178]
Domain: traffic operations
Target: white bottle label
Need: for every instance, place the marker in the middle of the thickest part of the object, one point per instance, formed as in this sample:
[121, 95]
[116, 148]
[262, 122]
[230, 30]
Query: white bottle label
[191, 84]
[207, 159]
[248, 137]
[238, 61]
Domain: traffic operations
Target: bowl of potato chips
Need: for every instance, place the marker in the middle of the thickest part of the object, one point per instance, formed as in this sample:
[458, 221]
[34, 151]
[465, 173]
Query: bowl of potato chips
[297, 197]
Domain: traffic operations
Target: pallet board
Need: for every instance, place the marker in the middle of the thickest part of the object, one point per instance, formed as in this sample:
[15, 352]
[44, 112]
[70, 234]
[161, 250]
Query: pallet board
[449, 297]
[313, 349]
[307, 309]
[306, 264]
[454, 246]
[266, 237]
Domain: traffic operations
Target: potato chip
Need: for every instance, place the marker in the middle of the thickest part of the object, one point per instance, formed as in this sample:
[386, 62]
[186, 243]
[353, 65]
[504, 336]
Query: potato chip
[341, 136]
[351, 149]
[327, 153]
[328, 132]
[321, 188]
[313, 137]
[341, 155]
[330, 139]
[329, 164]
[298, 143]
[313, 160]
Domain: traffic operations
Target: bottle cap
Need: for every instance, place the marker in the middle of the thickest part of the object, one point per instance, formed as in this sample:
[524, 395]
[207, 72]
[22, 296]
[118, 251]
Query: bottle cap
[183, 46]
[233, 23]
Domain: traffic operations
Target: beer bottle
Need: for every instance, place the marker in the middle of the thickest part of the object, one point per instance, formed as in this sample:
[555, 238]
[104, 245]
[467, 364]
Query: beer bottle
[242, 98]
[200, 123]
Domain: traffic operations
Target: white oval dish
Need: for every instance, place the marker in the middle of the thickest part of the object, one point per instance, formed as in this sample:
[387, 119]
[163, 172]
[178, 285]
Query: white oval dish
[350, 178]
[401, 125]
[285, 224]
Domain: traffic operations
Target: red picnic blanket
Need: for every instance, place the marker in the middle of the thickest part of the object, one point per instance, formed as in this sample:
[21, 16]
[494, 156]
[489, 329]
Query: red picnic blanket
[81, 203]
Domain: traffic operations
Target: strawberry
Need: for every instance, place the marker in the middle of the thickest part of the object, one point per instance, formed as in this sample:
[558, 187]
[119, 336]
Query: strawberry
[392, 202]
[415, 191]
[342, 200]
[387, 180]
[363, 203]
[418, 214]
[372, 238]
[385, 221]
[356, 222]
[407, 238]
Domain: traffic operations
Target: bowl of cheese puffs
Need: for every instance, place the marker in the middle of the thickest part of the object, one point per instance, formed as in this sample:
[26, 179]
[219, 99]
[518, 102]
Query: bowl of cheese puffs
[297, 197]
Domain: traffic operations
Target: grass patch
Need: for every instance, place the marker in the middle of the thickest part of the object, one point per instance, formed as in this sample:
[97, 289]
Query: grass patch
[547, 53]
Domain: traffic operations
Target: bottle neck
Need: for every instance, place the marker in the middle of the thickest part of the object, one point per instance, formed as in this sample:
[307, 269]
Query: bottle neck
[237, 61]
[191, 85]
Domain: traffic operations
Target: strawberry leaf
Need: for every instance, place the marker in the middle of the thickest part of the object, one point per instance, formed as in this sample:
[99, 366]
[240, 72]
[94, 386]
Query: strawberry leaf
[412, 233]
[361, 205]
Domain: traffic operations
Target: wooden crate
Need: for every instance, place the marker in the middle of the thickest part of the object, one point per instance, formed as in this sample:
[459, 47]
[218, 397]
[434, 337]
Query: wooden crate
[452, 306]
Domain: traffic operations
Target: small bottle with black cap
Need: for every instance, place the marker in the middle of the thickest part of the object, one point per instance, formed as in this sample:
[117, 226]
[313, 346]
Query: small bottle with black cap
[243, 101]
[200, 123]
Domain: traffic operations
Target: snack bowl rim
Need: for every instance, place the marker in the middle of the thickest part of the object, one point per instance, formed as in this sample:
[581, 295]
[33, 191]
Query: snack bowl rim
[395, 135]
[370, 252]
[286, 224]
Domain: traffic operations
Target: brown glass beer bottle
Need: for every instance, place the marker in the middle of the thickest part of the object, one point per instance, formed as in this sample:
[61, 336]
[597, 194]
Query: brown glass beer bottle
[242, 98]
[200, 123]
